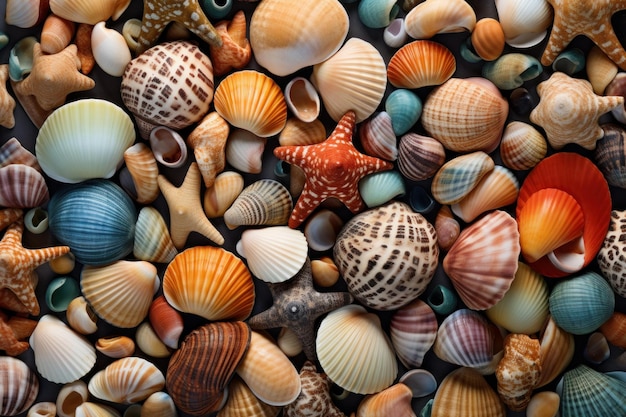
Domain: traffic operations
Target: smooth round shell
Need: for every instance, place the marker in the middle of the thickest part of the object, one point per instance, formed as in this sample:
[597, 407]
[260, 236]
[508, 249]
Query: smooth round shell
[109, 49]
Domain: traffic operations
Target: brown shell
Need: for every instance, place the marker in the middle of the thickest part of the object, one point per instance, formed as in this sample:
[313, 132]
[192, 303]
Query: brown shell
[420, 157]
[18, 386]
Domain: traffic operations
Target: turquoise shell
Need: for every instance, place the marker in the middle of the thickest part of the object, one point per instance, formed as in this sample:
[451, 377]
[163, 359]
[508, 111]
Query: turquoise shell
[21, 58]
[405, 108]
[570, 61]
[60, 292]
[381, 187]
[216, 9]
[586, 392]
[377, 14]
[96, 219]
[442, 300]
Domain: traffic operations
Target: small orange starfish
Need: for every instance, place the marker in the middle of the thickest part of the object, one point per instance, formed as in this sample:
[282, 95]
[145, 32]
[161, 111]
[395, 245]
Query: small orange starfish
[333, 168]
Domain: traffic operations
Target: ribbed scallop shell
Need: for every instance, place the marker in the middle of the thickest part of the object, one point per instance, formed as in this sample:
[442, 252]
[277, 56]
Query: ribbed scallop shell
[264, 202]
[159, 404]
[26, 14]
[297, 132]
[225, 189]
[210, 282]
[354, 351]
[84, 139]
[61, 355]
[432, 17]
[557, 351]
[421, 63]
[243, 403]
[85, 11]
[600, 69]
[525, 23]
[392, 401]
[387, 255]
[465, 114]
[354, 78]
[522, 146]
[419, 157]
[126, 381]
[459, 176]
[610, 256]
[378, 138]
[166, 321]
[587, 392]
[19, 386]
[488, 38]
[12, 152]
[413, 330]
[275, 253]
[153, 242]
[22, 186]
[483, 260]
[253, 101]
[144, 171]
[518, 371]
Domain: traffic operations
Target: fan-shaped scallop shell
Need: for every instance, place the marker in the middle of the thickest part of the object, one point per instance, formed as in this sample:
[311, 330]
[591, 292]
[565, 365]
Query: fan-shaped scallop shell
[297, 132]
[84, 11]
[19, 386]
[525, 24]
[264, 202]
[421, 63]
[609, 154]
[387, 255]
[587, 392]
[610, 256]
[354, 78]
[518, 371]
[126, 381]
[459, 176]
[153, 242]
[522, 146]
[420, 157]
[483, 260]
[242, 402]
[413, 330]
[354, 351]
[143, 170]
[378, 138]
[22, 186]
[253, 101]
[26, 14]
[217, 198]
[432, 17]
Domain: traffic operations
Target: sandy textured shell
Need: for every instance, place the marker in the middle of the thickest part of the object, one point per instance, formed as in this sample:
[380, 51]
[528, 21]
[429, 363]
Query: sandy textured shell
[243, 403]
[126, 381]
[413, 330]
[221, 195]
[12, 152]
[557, 351]
[483, 260]
[378, 138]
[71, 396]
[81, 317]
[392, 401]
[518, 371]
[432, 17]
[488, 38]
[586, 391]
[297, 132]
[609, 154]
[153, 242]
[354, 78]
[22, 186]
[208, 141]
[120, 293]
[116, 346]
[143, 170]
[522, 146]
[354, 351]
[149, 342]
[166, 321]
[109, 49]
[610, 257]
[264, 202]
[525, 24]
[421, 63]
[387, 255]
[210, 282]
[285, 39]
[244, 151]
[26, 14]
[419, 157]
[459, 176]
[465, 114]
[19, 386]
[56, 34]
[85, 11]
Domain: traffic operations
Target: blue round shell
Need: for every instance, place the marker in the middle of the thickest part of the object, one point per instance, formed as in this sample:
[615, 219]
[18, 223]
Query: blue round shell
[96, 219]
[405, 108]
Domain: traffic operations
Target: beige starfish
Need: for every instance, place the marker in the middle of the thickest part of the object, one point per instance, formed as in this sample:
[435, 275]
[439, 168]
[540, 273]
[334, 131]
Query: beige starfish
[186, 213]
[7, 103]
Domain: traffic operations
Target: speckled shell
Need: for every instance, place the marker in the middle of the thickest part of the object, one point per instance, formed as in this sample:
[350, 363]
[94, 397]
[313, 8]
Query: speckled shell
[611, 259]
[84, 11]
[158, 68]
[587, 392]
[609, 154]
[264, 202]
[419, 157]
[413, 330]
[366, 253]
[432, 17]
[518, 371]
[19, 386]
[459, 176]
[522, 146]
[22, 186]
[126, 381]
[421, 63]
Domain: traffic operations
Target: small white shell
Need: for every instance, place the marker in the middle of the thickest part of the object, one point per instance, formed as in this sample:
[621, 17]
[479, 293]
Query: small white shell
[42, 409]
[109, 49]
[244, 151]
[394, 34]
[70, 396]
[302, 99]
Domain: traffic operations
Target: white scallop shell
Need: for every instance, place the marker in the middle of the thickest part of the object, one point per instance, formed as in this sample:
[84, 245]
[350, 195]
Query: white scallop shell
[525, 23]
[109, 49]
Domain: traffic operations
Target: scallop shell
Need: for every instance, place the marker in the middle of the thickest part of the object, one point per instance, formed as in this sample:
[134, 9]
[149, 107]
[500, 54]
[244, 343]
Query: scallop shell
[525, 24]
[459, 176]
[378, 138]
[22, 186]
[143, 170]
[226, 187]
[387, 255]
[150, 343]
[81, 317]
[285, 39]
[85, 11]
[84, 139]
[488, 39]
[264, 202]
[419, 157]
[433, 17]
[381, 187]
[126, 381]
[242, 402]
[109, 49]
[413, 330]
[56, 34]
[26, 14]
[465, 114]
[483, 261]
[392, 401]
[610, 258]
[12, 152]
[89, 409]
[297, 132]
[252, 101]
[557, 351]
[19, 386]
[71, 396]
[419, 64]
[354, 78]
[302, 99]
[61, 355]
[321, 229]
[589, 392]
[354, 351]
[158, 404]
[153, 242]
[522, 146]
[166, 321]
[116, 346]
[609, 154]
[244, 151]
[208, 141]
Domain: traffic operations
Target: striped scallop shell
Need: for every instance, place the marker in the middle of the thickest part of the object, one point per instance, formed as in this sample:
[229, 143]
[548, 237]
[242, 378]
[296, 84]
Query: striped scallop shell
[488, 38]
[610, 256]
[153, 242]
[85, 11]
[209, 282]
[243, 403]
[252, 101]
[419, 157]
[557, 351]
[225, 189]
[432, 17]
[19, 386]
[587, 392]
[12, 152]
[459, 176]
[522, 146]
[413, 330]
[378, 138]
[297, 132]
[264, 202]
[26, 14]
[421, 63]
[22, 186]
[143, 170]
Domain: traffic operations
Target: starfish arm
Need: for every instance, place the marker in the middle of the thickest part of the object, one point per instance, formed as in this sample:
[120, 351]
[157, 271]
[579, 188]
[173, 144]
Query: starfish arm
[8, 216]
[268, 319]
[558, 40]
[306, 204]
[40, 256]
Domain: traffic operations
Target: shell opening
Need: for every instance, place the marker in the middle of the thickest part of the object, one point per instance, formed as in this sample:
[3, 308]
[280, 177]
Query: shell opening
[569, 258]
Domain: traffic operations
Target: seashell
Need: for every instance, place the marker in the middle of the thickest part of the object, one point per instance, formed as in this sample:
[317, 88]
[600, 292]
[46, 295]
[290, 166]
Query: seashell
[163, 65]
[420, 200]
[420, 381]
[419, 157]
[274, 254]
[21, 58]
[36, 220]
[557, 351]
[166, 321]
[543, 404]
[512, 70]
[465, 114]
[285, 39]
[465, 392]
[149, 343]
[83, 47]
[392, 401]
[381, 187]
[235, 51]
[7, 102]
[26, 14]
[524, 24]
[158, 404]
[242, 402]
[61, 355]
[377, 14]
[433, 17]
[199, 372]
[82, 11]
[522, 146]
[227, 186]
[297, 132]
[589, 392]
[419, 64]
[354, 351]
[404, 107]
[120, 293]
[442, 300]
[103, 42]
[116, 346]
[609, 154]
[413, 330]
[252, 101]
[143, 170]
[488, 39]
[42, 409]
[84, 139]
[63, 264]
[209, 282]
[70, 396]
[524, 307]
[264, 202]
[447, 228]
[616, 88]
[208, 141]
[288, 341]
[89, 409]
[19, 386]
[126, 381]
[614, 329]
[244, 151]
[394, 35]
[601, 70]
[582, 304]
[366, 254]
[168, 147]
[12, 152]
[483, 261]
[153, 242]
[497, 188]
[324, 271]
[302, 99]
[60, 292]
[354, 78]
[570, 61]
[518, 371]
[321, 229]
[81, 317]
[56, 34]
[378, 138]
[459, 176]
[521, 101]
[22, 186]
[597, 348]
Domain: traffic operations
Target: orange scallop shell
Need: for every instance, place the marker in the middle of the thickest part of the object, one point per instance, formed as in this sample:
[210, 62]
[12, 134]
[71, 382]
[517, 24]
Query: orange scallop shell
[421, 63]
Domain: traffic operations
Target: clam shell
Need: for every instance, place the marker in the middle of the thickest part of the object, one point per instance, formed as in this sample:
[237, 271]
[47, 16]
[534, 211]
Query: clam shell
[153, 242]
[84, 11]
[419, 157]
[378, 138]
[610, 258]
[22, 186]
[512, 70]
[244, 151]
[488, 39]
[19, 386]
[614, 329]
[109, 49]
[459, 176]
[525, 24]
[208, 141]
[518, 371]
[601, 70]
[264, 202]
[70, 396]
[120, 293]
[432, 17]
[285, 39]
[392, 401]
[354, 351]
[381, 187]
[252, 101]
[26, 14]
[447, 227]
[217, 198]
[522, 146]
[84, 139]
[89, 409]
[56, 34]
[419, 64]
[12, 152]
[413, 330]
[404, 107]
[210, 282]
[116, 346]
[149, 342]
[81, 317]
[589, 392]
[557, 351]
[297, 132]
[354, 78]
[321, 229]
[143, 170]
[166, 321]
[158, 404]
[482, 262]
[366, 254]
[302, 99]
[288, 341]
[242, 402]
[609, 155]
[42, 409]
[126, 381]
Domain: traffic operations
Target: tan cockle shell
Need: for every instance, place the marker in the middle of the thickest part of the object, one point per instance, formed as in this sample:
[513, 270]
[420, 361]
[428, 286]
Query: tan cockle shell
[297, 132]
[438, 16]
[557, 351]
[84, 11]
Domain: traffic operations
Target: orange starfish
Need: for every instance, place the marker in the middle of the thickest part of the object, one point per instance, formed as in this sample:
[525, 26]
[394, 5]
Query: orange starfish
[333, 168]
[591, 18]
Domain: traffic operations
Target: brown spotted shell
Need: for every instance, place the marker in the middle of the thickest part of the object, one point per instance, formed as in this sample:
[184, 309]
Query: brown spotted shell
[612, 255]
[387, 255]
